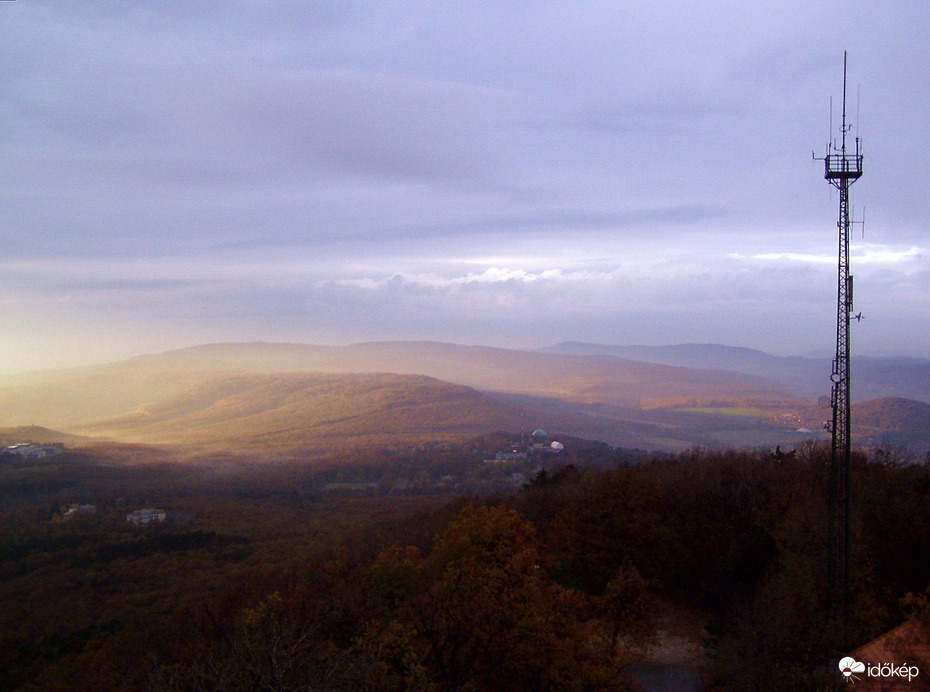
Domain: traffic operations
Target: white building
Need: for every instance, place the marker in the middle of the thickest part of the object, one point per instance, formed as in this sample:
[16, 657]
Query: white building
[76, 511]
[144, 517]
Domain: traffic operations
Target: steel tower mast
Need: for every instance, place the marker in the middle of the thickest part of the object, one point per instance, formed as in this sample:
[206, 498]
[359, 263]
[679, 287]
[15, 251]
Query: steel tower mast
[841, 169]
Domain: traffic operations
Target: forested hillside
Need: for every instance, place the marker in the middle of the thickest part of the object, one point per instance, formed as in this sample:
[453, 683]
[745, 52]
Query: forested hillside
[895, 422]
[86, 395]
[285, 400]
[278, 577]
[283, 415]
[281, 399]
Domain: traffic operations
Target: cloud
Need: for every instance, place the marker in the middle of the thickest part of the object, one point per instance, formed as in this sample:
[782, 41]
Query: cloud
[301, 170]
[795, 257]
[880, 255]
[867, 255]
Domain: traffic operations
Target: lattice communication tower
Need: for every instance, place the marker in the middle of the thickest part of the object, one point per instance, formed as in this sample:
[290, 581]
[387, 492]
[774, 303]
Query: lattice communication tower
[841, 168]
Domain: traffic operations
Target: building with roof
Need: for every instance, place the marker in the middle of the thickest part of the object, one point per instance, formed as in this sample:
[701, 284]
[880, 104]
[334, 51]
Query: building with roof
[146, 517]
[904, 649]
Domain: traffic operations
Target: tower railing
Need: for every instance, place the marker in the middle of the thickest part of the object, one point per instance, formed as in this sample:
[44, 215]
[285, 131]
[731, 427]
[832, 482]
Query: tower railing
[843, 166]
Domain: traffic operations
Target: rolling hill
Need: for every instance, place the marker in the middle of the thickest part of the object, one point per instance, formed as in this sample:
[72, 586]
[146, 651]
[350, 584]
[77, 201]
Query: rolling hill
[308, 414]
[805, 377]
[893, 421]
[34, 434]
[594, 378]
[71, 398]
[301, 399]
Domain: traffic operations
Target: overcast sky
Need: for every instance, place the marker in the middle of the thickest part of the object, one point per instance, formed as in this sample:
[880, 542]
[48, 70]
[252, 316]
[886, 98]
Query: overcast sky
[505, 173]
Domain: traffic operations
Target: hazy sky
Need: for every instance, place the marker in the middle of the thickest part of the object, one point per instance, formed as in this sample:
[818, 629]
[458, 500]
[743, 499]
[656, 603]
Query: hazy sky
[504, 173]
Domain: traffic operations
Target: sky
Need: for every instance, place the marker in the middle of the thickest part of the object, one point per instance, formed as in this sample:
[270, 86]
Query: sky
[504, 173]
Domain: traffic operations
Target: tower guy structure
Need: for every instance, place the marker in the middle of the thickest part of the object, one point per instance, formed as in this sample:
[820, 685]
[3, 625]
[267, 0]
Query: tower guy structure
[841, 168]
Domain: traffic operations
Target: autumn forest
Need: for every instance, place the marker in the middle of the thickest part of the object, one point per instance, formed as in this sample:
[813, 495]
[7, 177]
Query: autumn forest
[425, 567]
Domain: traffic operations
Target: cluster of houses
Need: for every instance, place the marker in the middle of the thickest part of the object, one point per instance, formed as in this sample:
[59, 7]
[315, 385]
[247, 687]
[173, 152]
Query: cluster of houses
[30, 451]
[27, 450]
[535, 450]
[141, 517]
[521, 451]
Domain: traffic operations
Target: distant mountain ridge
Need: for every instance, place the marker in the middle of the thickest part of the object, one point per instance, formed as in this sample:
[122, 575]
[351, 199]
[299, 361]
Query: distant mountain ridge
[690, 355]
[288, 397]
[580, 378]
[805, 377]
[181, 396]
[34, 434]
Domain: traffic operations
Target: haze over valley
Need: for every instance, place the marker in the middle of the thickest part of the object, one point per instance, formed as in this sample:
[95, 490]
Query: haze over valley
[293, 400]
[424, 345]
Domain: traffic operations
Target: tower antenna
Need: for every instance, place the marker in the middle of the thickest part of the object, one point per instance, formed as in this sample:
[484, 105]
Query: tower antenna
[841, 169]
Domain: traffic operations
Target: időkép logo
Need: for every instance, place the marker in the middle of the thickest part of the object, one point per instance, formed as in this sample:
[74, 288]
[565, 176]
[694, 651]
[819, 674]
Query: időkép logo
[854, 670]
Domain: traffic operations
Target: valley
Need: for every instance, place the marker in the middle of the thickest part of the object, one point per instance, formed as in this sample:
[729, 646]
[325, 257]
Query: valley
[371, 507]
[291, 400]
